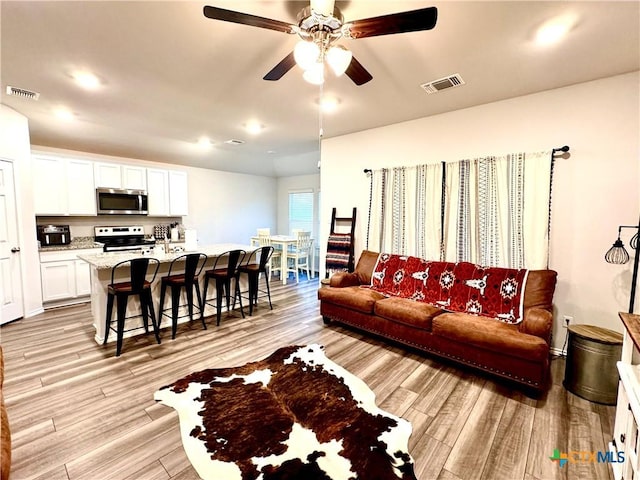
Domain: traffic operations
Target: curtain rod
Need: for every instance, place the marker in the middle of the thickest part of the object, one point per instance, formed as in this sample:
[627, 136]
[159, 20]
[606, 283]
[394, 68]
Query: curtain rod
[564, 149]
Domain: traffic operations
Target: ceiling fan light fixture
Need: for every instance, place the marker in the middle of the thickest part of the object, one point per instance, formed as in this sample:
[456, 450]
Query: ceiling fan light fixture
[314, 74]
[306, 54]
[338, 59]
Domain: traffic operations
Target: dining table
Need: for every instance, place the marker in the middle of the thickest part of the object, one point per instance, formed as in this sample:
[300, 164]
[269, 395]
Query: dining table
[283, 243]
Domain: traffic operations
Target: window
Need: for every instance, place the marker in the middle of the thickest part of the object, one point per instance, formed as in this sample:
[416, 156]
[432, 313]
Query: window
[301, 211]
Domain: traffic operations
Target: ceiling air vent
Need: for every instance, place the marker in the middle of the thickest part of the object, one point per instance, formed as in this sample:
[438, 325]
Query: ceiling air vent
[21, 92]
[234, 142]
[443, 83]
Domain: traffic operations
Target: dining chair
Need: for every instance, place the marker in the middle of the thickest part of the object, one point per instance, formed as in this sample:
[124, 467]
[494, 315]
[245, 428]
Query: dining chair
[299, 257]
[223, 274]
[255, 264]
[188, 278]
[138, 285]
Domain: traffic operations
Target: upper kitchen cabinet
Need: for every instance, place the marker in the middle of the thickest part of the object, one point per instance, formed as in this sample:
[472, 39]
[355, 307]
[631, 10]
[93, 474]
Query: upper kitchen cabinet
[158, 192]
[63, 186]
[113, 175]
[178, 194]
[167, 191]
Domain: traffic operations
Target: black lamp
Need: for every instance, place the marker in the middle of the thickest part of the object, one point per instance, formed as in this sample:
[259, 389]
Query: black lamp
[617, 254]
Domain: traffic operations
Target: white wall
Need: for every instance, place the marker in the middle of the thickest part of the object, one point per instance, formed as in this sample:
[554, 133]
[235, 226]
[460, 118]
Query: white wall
[15, 147]
[594, 190]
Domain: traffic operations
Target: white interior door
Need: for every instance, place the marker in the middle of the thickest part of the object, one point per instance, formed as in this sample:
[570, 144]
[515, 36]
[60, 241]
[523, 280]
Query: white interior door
[10, 274]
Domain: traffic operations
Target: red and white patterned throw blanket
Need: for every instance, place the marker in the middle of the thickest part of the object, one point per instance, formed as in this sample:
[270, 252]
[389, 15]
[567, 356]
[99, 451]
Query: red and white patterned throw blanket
[458, 287]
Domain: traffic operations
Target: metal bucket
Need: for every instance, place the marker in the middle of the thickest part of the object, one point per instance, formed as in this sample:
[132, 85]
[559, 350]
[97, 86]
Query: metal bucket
[590, 370]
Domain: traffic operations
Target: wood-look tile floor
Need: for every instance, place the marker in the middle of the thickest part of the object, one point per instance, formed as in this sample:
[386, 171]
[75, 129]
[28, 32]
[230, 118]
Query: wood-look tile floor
[78, 412]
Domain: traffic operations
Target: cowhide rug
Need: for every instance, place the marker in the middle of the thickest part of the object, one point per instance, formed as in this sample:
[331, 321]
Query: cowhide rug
[294, 415]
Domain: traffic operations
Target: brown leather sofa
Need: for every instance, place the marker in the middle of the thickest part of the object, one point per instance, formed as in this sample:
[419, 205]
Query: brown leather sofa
[518, 352]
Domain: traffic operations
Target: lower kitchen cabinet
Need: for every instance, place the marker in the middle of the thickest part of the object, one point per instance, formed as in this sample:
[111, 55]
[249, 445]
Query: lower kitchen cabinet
[65, 278]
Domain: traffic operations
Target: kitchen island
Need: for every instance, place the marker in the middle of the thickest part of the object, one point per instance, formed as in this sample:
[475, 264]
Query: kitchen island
[102, 263]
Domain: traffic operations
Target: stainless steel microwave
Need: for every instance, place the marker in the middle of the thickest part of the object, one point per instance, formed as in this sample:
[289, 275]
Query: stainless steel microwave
[115, 201]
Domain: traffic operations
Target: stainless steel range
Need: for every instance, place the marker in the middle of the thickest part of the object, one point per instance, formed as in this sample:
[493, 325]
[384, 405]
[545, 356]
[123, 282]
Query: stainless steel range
[123, 238]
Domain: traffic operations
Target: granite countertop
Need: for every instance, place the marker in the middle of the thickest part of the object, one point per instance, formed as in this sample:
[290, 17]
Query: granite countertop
[107, 260]
[77, 243]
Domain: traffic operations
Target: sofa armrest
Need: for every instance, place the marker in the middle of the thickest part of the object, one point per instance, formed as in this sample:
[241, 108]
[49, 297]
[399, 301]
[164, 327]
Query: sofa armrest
[344, 279]
[538, 322]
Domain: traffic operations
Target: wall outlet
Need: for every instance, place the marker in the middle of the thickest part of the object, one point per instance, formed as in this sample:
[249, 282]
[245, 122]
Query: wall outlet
[567, 320]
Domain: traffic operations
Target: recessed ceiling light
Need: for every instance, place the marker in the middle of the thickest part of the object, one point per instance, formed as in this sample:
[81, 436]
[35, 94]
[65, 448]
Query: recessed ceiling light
[205, 143]
[64, 114]
[554, 30]
[329, 104]
[253, 127]
[86, 80]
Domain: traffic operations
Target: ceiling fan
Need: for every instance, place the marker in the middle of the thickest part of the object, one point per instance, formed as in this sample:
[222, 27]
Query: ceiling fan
[320, 26]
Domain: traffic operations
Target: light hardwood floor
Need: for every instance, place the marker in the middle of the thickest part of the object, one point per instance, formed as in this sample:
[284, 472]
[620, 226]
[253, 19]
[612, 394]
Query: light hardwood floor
[78, 412]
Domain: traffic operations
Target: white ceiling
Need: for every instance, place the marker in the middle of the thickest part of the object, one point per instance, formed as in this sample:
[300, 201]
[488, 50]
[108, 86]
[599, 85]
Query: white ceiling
[170, 75]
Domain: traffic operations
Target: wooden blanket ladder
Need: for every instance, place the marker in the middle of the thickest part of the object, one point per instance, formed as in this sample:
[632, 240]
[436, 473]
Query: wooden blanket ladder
[340, 246]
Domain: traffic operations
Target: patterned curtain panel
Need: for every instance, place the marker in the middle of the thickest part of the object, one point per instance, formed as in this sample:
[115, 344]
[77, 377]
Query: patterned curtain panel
[494, 211]
[497, 210]
[405, 211]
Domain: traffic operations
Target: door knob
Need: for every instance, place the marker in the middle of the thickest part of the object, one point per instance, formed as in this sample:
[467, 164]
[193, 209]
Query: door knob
[15, 249]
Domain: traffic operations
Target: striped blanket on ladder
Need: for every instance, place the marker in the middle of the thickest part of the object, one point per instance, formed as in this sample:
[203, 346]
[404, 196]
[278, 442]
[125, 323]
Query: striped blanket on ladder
[338, 252]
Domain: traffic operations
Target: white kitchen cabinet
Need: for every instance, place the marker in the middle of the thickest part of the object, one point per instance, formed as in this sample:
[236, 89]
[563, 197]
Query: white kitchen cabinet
[58, 280]
[83, 278]
[63, 186]
[108, 175]
[625, 445]
[65, 278]
[167, 190]
[49, 185]
[158, 192]
[134, 178]
[115, 175]
[81, 192]
[178, 193]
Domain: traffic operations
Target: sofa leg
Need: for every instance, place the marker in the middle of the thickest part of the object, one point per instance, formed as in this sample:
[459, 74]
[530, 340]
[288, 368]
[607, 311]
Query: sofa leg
[326, 320]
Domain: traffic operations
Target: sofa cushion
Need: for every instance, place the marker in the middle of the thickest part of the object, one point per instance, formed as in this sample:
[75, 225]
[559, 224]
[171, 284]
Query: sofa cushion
[355, 298]
[489, 334]
[539, 289]
[408, 312]
[366, 264]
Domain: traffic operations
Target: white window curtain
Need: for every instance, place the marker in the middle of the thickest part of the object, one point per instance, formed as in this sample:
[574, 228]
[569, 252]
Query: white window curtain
[405, 211]
[494, 211]
[497, 210]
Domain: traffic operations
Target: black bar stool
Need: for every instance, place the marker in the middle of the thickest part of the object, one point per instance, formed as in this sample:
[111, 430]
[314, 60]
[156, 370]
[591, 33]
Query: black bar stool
[193, 265]
[223, 276]
[255, 264]
[137, 285]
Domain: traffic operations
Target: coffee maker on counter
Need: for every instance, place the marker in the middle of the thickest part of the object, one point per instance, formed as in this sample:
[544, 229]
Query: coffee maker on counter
[49, 235]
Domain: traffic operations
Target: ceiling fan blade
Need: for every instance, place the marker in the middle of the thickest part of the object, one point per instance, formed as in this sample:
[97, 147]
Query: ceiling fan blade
[216, 13]
[277, 72]
[356, 72]
[412, 21]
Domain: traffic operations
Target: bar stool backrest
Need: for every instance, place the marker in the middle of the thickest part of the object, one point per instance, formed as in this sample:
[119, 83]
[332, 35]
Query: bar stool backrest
[137, 271]
[193, 265]
[265, 255]
[233, 259]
